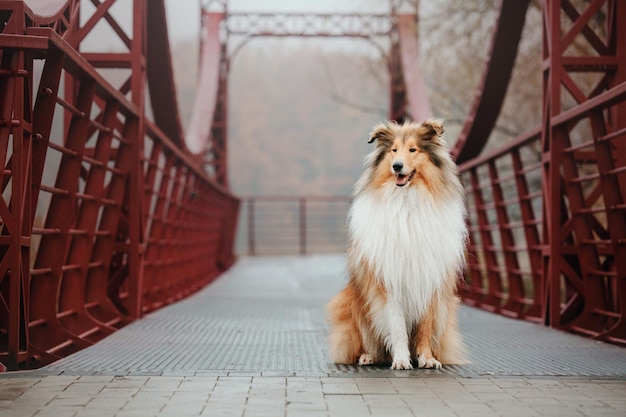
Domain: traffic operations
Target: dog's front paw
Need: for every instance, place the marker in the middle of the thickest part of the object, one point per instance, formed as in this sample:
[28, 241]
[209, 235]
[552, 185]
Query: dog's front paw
[366, 359]
[401, 364]
[429, 363]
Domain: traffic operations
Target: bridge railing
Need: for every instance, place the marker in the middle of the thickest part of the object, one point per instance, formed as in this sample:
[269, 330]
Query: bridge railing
[271, 225]
[571, 277]
[504, 199]
[102, 218]
[548, 212]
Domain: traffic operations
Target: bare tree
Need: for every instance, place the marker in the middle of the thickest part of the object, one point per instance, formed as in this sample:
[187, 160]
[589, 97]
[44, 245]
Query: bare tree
[455, 37]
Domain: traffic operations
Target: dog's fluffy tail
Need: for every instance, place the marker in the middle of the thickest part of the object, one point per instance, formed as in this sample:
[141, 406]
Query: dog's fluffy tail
[345, 338]
[451, 347]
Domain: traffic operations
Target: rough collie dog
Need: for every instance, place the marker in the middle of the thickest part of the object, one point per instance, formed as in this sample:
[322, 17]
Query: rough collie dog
[407, 236]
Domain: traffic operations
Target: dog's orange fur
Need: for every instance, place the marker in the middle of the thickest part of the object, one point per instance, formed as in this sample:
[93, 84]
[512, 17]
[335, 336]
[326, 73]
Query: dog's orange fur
[362, 328]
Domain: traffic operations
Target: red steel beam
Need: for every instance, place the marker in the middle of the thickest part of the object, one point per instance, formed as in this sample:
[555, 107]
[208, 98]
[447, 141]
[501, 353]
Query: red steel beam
[489, 95]
[12, 264]
[77, 199]
[160, 74]
[572, 170]
[594, 273]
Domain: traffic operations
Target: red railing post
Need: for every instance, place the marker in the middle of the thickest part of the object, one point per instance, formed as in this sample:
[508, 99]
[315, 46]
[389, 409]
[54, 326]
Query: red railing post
[531, 234]
[513, 305]
[136, 248]
[491, 290]
[15, 259]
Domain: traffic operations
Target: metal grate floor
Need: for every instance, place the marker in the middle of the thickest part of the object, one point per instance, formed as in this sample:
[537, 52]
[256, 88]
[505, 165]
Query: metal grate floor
[266, 315]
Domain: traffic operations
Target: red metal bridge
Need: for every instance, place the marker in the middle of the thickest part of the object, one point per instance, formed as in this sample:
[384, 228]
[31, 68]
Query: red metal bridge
[110, 211]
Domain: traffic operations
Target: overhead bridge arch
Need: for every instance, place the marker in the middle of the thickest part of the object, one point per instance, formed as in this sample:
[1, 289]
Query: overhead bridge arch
[224, 33]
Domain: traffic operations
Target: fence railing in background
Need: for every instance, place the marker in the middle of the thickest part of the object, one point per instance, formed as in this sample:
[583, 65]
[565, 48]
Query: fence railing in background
[271, 225]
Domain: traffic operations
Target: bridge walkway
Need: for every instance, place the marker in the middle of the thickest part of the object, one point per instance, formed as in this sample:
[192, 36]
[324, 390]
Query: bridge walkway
[253, 343]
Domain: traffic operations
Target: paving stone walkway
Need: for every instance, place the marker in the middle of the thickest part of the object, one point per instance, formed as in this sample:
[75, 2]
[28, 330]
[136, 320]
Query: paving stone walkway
[253, 343]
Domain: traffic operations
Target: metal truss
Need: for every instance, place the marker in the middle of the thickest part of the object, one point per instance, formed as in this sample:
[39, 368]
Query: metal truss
[236, 29]
[104, 215]
[548, 210]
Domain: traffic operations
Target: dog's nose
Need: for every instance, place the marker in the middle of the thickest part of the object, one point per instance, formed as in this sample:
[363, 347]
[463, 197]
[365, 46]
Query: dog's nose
[397, 166]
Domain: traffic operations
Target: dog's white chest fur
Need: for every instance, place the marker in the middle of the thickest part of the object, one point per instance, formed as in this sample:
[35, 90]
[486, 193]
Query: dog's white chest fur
[412, 242]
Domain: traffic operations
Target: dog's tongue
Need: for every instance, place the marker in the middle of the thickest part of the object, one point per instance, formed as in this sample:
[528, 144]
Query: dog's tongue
[401, 180]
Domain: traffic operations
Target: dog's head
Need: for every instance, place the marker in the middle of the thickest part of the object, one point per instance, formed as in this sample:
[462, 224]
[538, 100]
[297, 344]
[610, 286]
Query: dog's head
[409, 153]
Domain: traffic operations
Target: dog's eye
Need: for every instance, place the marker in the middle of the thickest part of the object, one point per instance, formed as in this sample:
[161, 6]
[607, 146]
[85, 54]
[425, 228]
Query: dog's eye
[394, 150]
[412, 150]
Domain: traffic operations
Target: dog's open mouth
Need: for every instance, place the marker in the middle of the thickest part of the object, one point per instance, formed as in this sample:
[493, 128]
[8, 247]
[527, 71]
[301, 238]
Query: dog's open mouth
[402, 180]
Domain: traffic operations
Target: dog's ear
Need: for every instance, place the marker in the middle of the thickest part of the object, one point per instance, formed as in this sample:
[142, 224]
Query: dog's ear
[382, 132]
[434, 126]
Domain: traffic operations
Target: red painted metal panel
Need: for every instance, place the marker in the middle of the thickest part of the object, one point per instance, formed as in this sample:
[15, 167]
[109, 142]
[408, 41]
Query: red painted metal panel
[160, 73]
[567, 183]
[109, 216]
[76, 246]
